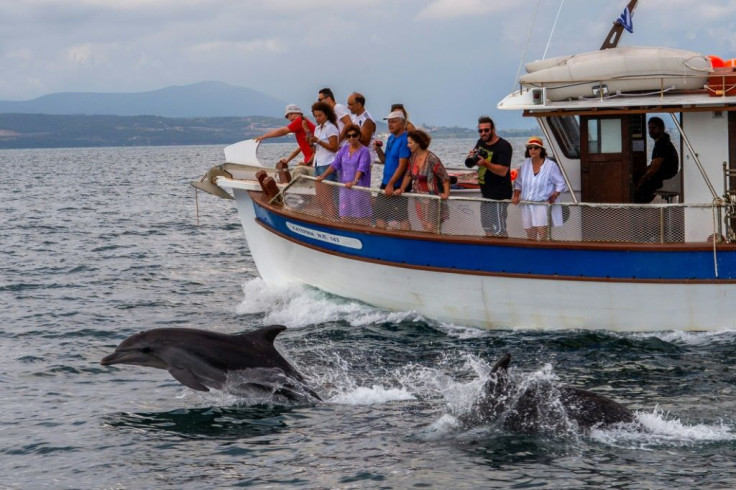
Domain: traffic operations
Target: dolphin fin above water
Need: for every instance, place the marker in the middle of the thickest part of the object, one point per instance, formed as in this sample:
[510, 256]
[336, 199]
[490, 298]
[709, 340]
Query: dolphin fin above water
[203, 360]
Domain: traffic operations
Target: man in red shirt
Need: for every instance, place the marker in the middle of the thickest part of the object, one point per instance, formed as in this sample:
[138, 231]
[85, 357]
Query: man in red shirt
[300, 126]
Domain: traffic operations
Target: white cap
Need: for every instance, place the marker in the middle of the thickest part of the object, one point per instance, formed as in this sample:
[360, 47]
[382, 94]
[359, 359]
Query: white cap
[395, 115]
[293, 108]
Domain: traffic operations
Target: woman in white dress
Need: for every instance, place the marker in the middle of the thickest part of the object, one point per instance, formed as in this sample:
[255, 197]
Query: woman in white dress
[539, 180]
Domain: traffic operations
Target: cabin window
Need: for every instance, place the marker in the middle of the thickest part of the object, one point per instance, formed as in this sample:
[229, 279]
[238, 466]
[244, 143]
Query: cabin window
[604, 136]
[566, 130]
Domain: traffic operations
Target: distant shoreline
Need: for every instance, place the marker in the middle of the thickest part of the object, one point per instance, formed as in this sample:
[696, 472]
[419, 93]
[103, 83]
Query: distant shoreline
[27, 131]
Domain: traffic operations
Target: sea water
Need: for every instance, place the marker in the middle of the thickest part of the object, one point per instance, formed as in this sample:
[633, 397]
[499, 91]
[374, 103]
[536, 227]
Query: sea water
[98, 244]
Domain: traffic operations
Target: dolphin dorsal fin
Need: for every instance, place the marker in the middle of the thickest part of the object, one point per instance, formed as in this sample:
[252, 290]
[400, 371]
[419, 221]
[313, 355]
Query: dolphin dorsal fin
[502, 364]
[266, 334]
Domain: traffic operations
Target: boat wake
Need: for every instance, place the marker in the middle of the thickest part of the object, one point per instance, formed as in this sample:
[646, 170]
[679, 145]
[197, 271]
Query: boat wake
[298, 306]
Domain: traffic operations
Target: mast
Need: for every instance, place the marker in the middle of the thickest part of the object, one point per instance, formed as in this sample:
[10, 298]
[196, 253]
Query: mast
[614, 35]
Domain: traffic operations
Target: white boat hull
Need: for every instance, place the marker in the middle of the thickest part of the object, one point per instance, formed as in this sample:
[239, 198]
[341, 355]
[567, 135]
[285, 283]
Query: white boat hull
[489, 301]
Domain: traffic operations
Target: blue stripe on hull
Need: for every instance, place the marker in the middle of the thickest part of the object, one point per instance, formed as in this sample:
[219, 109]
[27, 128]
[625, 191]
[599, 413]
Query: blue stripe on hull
[508, 259]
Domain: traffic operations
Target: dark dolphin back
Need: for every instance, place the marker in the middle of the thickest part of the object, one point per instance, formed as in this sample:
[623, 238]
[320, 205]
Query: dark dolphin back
[589, 409]
[227, 351]
[260, 345]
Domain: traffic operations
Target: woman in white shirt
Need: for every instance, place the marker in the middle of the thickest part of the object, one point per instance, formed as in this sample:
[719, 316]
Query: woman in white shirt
[539, 179]
[326, 140]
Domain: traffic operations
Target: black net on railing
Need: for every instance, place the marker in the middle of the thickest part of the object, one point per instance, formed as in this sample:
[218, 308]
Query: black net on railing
[470, 216]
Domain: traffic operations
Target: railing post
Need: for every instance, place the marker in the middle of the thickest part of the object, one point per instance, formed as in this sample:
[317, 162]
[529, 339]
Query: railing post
[661, 225]
[439, 216]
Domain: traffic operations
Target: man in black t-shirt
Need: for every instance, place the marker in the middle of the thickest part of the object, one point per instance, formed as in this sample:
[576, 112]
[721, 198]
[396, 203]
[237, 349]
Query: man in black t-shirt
[665, 163]
[492, 155]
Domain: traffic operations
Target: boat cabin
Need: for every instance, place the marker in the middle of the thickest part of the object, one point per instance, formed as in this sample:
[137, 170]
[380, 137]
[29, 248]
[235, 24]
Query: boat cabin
[602, 145]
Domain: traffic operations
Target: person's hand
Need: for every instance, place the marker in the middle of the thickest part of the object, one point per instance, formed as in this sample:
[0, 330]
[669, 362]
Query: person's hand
[389, 190]
[320, 178]
[515, 199]
[398, 191]
[283, 160]
[444, 196]
[378, 144]
[258, 138]
[348, 185]
[553, 197]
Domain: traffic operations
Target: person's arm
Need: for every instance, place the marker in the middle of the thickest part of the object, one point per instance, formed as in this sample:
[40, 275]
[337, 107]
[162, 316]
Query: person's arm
[404, 184]
[653, 168]
[440, 173]
[399, 173]
[330, 145]
[446, 193]
[358, 176]
[496, 168]
[367, 131]
[558, 181]
[346, 121]
[274, 133]
[379, 151]
[292, 156]
[519, 183]
[322, 177]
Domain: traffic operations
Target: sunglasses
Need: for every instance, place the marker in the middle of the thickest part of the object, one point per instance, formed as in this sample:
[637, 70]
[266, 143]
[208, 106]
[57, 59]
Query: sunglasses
[532, 147]
[484, 130]
[352, 135]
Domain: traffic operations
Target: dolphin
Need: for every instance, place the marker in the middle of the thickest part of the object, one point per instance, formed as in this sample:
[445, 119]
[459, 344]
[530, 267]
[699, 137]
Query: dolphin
[202, 360]
[536, 407]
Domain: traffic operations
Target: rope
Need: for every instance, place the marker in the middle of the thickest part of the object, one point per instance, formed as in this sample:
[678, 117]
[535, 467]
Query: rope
[554, 26]
[526, 46]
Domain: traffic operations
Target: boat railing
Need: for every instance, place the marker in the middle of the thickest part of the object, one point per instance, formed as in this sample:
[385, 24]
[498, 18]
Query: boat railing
[473, 216]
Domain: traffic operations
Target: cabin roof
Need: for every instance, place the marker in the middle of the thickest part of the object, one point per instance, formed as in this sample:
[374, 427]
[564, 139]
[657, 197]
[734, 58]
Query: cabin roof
[699, 101]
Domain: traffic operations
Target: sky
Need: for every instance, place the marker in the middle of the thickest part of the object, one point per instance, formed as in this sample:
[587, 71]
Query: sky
[448, 61]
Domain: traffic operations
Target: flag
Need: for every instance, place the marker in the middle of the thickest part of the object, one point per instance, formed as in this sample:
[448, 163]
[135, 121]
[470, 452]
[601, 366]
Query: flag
[625, 20]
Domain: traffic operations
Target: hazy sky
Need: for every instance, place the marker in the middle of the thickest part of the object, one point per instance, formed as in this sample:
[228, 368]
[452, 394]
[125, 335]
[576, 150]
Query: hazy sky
[448, 61]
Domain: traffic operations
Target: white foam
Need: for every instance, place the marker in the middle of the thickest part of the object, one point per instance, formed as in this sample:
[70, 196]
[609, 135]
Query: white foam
[660, 428]
[371, 396]
[692, 338]
[298, 306]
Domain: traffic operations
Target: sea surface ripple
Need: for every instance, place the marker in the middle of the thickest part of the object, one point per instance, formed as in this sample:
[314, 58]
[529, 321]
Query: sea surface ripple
[98, 244]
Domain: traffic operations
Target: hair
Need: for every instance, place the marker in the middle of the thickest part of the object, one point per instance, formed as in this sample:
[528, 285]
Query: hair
[400, 107]
[420, 137]
[353, 128]
[542, 152]
[327, 110]
[327, 93]
[657, 121]
[359, 98]
[486, 120]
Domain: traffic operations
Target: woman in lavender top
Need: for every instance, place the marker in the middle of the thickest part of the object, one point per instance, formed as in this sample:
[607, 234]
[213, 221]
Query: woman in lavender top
[353, 165]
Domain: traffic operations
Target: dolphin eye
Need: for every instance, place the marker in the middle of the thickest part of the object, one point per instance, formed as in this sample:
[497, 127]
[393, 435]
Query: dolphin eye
[146, 350]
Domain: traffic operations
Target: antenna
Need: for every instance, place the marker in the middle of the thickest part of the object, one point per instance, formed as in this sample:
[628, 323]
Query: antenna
[614, 35]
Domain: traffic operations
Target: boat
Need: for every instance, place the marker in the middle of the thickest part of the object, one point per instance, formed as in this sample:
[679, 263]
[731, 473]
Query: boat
[617, 70]
[613, 264]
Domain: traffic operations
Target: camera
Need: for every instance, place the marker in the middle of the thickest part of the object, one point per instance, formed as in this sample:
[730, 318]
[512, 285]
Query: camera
[480, 154]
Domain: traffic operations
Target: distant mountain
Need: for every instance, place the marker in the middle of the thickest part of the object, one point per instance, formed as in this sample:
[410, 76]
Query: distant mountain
[71, 131]
[205, 99]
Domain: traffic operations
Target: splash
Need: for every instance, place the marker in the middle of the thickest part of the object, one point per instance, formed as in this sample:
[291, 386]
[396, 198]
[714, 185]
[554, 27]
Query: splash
[693, 338]
[658, 428]
[298, 306]
[376, 394]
